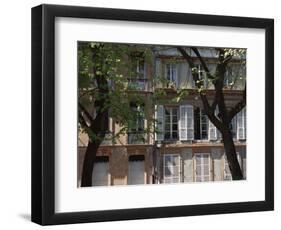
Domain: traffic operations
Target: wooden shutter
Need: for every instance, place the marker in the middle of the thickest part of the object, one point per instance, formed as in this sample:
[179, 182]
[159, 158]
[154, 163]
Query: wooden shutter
[183, 122]
[241, 122]
[190, 124]
[100, 174]
[159, 115]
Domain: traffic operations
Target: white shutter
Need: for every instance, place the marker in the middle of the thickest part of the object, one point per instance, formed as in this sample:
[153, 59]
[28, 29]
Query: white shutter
[212, 131]
[136, 172]
[159, 115]
[175, 75]
[183, 122]
[241, 125]
[100, 174]
[158, 67]
[190, 124]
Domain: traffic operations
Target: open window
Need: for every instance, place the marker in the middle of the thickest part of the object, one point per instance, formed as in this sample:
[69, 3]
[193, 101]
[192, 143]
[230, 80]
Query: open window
[171, 74]
[136, 133]
[171, 168]
[138, 78]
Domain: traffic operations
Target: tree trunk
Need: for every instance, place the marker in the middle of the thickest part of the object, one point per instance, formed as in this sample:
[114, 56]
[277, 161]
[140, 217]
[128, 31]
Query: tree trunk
[88, 164]
[231, 155]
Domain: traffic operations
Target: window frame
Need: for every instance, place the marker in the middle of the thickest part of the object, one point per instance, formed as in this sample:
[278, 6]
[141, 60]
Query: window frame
[138, 130]
[209, 164]
[179, 177]
[171, 123]
[172, 68]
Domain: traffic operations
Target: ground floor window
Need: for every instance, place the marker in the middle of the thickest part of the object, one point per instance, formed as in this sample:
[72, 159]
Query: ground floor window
[171, 168]
[202, 167]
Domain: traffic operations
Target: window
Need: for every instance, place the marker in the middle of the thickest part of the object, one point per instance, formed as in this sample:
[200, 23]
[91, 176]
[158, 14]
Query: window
[202, 167]
[201, 124]
[201, 75]
[171, 168]
[171, 123]
[227, 174]
[100, 176]
[171, 74]
[174, 123]
[136, 127]
[138, 78]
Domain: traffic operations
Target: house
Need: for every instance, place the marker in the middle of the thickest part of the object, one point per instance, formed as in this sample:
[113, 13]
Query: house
[186, 146]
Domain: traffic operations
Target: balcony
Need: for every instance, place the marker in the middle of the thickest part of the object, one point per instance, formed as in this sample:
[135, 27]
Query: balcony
[138, 84]
[136, 138]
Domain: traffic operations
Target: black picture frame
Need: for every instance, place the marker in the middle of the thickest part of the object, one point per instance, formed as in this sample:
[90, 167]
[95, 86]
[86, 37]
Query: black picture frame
[43, 110]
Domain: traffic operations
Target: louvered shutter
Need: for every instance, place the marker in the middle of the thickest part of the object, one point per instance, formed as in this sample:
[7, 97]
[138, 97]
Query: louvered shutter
[159, 115]
[241, 125]
[175, 75]
[183, 122]
[190, 124]
[158, 67]
[213, 130]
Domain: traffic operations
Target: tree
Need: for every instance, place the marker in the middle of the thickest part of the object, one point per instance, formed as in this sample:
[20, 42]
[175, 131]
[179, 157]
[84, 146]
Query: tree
[223, 119]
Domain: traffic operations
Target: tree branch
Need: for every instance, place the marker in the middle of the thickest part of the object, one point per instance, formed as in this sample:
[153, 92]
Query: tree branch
[238, 107]
[208, 109]
[203, 63]
[82, 120]
[84, 110]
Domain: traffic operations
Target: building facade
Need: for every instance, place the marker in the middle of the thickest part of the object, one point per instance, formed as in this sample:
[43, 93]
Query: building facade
[186, 146]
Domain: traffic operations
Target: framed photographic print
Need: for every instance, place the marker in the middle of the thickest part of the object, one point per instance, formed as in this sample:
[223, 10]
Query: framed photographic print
[143, 114]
